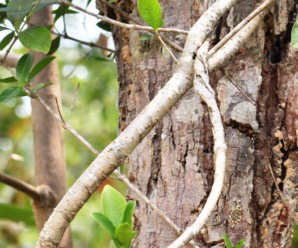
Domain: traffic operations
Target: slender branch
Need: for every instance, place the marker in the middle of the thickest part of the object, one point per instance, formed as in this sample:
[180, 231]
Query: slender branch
[118, 150]
[165, 46]
[120, 11]
[200, 85]
[11, 59]
[22, 186]
[236, 85]
[280, 193]
[252, 15]
[73, 102]
[120, 24]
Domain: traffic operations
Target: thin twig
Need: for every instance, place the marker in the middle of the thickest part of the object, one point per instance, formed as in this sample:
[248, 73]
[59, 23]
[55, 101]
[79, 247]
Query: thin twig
[165, 46]
[200, 82]
[59, 110]
[127, 16]
[73, 102]
[120, 24]
[280, 193]
[236, 85]
[258, 10]
[22, 186]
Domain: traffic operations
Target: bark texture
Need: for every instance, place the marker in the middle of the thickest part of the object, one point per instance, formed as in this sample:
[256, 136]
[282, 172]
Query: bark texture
[173, 165]
[50, 166]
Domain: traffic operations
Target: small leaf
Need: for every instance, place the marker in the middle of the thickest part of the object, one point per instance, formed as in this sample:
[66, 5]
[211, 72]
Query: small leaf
[63, 10]
[112, 1]
[44, 4]
[10, 93]
[129, 212]
[8, 80]
[294, 34]
[6, 40]
[150, 11]
[39, 66]
[239, 245]
[105, 222]
[36, 38]
[228, 242]
[104, 26]
[40, 86]
[55, 45]
[124, 234]
[145, 37]
[113, 205]
[17, 214]
[23, 67]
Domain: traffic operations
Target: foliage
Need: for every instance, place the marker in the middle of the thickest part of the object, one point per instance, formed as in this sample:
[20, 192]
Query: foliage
[229, 243]
[23, 77]
[116, 217]
[150, 11]
[294, 35]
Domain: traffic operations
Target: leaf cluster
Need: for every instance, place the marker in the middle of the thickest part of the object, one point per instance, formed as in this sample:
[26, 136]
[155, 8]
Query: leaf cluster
[24, 75]
[116, 217]
[229, 243]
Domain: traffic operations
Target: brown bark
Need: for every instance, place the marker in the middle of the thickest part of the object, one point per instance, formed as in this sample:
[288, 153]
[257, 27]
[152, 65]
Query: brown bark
[173, 165]
[50, 166]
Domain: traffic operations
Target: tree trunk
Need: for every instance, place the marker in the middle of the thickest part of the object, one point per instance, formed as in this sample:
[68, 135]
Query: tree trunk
[50, 166]
[173, 165]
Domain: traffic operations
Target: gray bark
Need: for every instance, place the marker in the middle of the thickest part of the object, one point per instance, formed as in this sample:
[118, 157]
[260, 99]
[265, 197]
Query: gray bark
[173, 165]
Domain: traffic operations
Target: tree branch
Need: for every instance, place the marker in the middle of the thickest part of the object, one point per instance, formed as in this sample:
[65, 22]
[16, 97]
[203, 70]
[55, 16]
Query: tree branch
[120, 24]
[11, 59]
[22, 186]
[115, 153]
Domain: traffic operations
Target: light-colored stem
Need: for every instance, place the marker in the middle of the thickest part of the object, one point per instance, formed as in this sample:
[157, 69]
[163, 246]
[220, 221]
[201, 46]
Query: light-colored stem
[200, 85]
[252, 15]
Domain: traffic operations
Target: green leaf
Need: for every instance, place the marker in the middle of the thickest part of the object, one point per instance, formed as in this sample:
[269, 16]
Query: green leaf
[294, 34]
[17, 214]
[10, 93]
[239, 245]
[129, 212]
[112, 1]
[124, 234]
[63, 10]
[9, 9]
[40, 86]
[104, 26]
[23, 67]
[113, 205]
[55, 45]
[24, 7]
[150, 11]
[105, 222]
[39, 66]
[36, 38]
[6, 40]
[228, 242]
[8, 80]
[43, 4]
[3, 28]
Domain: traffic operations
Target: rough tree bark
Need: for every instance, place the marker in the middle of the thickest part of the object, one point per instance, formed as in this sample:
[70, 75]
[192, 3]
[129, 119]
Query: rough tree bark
[50, 166]
[173, 165]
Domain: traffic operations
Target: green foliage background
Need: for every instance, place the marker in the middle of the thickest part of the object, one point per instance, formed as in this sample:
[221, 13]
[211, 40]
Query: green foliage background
[94, 116]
